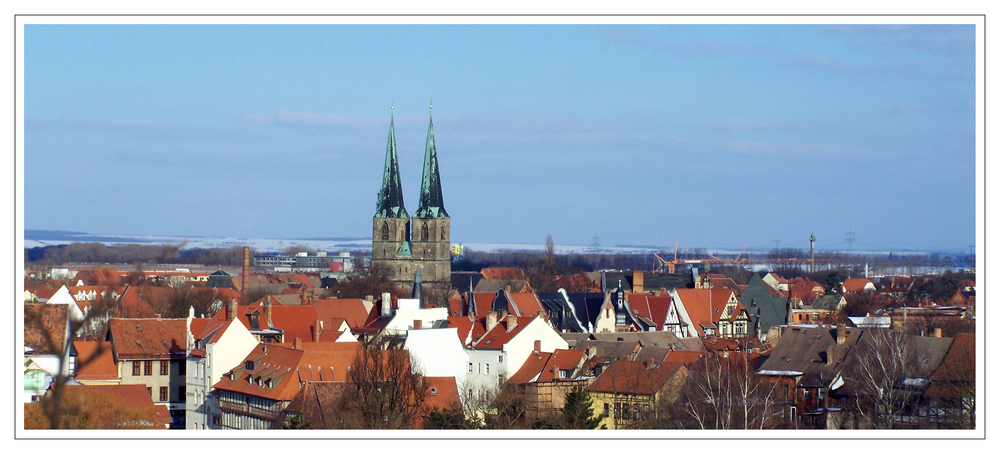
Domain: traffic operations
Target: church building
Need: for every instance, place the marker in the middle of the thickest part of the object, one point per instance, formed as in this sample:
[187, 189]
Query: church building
[403, 243]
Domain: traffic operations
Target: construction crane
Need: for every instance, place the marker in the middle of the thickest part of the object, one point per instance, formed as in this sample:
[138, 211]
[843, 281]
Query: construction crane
[664, 263]
[737, 261]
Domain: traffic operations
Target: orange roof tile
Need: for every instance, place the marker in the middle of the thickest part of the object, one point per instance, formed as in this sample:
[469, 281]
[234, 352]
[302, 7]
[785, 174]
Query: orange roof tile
[46, 327]
[702, 310]
[95, 361]
[278, 370]
[634, 377]
[149, 337]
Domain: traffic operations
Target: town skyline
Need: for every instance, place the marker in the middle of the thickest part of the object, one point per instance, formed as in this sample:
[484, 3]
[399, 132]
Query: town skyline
[706, 135]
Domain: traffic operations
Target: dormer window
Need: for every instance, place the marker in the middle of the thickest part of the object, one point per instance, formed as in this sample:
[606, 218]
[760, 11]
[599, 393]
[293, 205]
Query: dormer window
[249, 364]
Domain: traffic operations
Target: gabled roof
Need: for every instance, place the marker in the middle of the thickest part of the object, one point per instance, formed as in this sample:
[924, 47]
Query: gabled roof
[802, 352]
[857, 284]
[351, 310]
[95, 361]
[634, 377]
[957, 370]
[279, 369]
[501, 333]
[138, 338]
[651, 309]
[46, 327]
[540, 366]
[704, 306]
[503, 273]
[442, 393]
[108, 405]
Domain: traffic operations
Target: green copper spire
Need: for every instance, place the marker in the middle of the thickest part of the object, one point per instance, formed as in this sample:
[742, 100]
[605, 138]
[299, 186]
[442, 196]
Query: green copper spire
[431, 201]
[390, 197]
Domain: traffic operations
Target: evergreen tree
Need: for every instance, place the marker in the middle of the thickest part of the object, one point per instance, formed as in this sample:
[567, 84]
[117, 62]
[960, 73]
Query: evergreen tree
[578, 413]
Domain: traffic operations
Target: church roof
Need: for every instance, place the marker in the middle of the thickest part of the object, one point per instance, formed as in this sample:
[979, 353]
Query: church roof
[431, 201]
[390, 196]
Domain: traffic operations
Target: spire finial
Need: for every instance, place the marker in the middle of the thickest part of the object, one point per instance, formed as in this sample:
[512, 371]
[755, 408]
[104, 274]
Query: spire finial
[432, 105]
[392, 104]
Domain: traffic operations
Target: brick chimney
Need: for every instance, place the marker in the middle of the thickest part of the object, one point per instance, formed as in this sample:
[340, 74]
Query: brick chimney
[267, 312]
[231, 309]
[637, 282]
[841, 333]
[302, 296]
[511, 322]
[317, 329]
[246, 269]
[829, 354]
[491, 320]
[555, 372]
[538, 346]
[937, 332]
[296, 344]
[418, 324]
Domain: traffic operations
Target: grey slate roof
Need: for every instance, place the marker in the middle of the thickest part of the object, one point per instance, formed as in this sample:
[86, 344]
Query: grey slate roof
[765, 310]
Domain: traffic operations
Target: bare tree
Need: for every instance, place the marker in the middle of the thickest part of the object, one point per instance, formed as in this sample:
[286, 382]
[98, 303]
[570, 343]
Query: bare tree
[884, 360]
[383, 391]
[724, 392]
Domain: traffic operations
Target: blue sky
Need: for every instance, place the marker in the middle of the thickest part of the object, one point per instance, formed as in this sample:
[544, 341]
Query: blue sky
[710, 135]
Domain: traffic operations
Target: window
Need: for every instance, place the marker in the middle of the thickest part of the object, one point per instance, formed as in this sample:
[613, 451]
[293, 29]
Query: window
[147, 368]
[164, 367]
[182, 367]
[135, 368]
[423, 233]
[470, 368]
[487, 369]
[607, 409]
[385, 231]
[786, 390]
[562, 373]
[164, 394]
[149, 389]
[443, 236]
[500, 359]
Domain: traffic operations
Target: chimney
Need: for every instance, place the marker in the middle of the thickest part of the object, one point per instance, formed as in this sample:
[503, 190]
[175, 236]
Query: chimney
[591, 351]
[841, 333]
[637, 282]
[555, 372]
[937, 332]
[246, 269]
[302, 297]
[369, 298]
[491, 320]
[296, 344]
[538, 346]
[386, 304]
[829, 354]
[267, 311]
[317, 329]
[231, 309]
[511, 322]
[418, 324]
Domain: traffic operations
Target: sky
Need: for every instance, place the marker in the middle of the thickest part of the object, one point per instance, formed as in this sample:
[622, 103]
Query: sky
[637, 134]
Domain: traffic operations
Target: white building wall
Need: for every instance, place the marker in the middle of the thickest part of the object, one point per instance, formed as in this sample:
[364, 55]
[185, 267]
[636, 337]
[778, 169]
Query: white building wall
[204, 372]
[437, 352]
[523, 344]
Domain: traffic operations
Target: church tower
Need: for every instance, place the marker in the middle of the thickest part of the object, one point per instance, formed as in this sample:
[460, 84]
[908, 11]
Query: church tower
[431, 235]
[391, 224]
[404, 244]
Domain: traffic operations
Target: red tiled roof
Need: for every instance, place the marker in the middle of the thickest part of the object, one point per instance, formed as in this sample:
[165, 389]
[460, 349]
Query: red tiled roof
[503, 273]
[702, 311]
[46, 327]
[113, 407]
[351, 309]
[95, 361]
[653, 308]
[855, 284]
[684, 357]
[149, 337]
[532, 366]
[634, 377]
[442, 393]
[501, 333]
[286, 368]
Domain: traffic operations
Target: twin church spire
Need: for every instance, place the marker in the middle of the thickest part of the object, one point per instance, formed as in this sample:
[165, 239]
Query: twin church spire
[390, 196]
